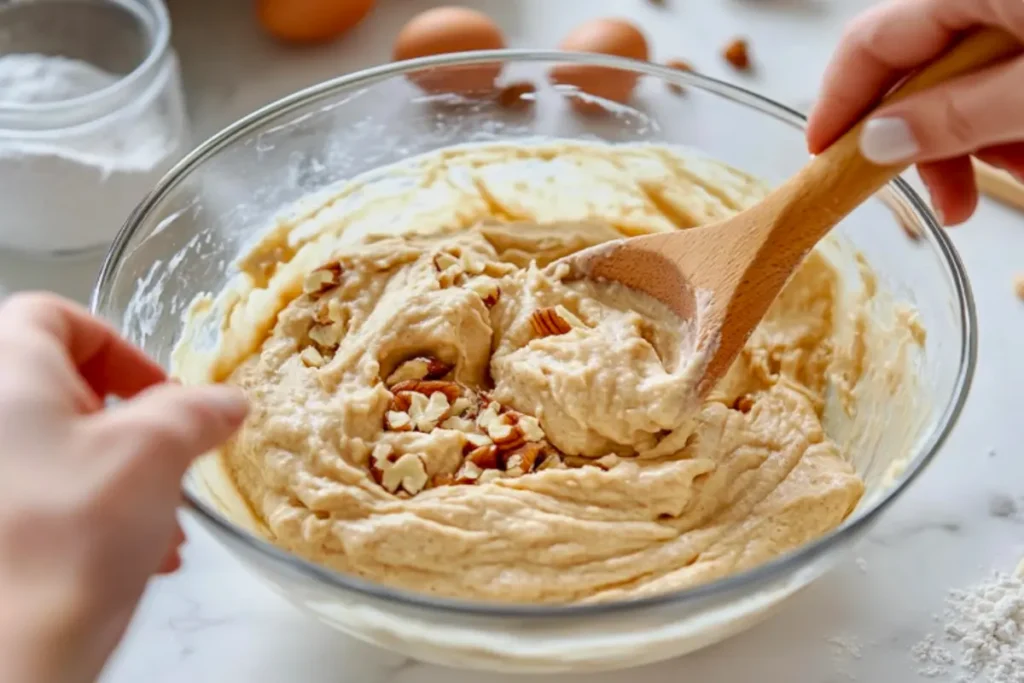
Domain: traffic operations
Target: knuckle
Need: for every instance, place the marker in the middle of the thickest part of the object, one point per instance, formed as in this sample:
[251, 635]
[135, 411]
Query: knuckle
[957, 125]
[1008, 14]
[868, 34]
[21, 302]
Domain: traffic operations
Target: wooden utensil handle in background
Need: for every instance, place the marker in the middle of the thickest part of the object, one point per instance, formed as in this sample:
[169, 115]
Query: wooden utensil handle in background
[999, 185]
[839, 179]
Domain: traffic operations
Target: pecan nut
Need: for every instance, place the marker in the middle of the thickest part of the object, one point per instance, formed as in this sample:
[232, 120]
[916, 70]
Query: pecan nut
[547, 322]
[737, 53]
[311, 358]
[743, 403]
[451, 390]
[485, 457]
[418, 368]
[324, 278]
[487, 289]
[407, 473]
[678, 65]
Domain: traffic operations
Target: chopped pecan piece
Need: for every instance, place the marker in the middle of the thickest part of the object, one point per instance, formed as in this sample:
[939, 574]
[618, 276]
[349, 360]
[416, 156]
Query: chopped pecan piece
[401, 402]
[549, 460]
[487, 289]
[311, 357]
[428, 415]
[324, 278]
[451, 390]
[547, 322]
[417, 369]
[526, 458]
[407, 473]
[468, 473]
[442, 479]
[398, 422]
[506, 437]
[472, 262]
[531, 428]
[327, 336]
[330, 312]
[459, 424]
[475, 441]
[484, 457]
[444, 260]
[743, 403]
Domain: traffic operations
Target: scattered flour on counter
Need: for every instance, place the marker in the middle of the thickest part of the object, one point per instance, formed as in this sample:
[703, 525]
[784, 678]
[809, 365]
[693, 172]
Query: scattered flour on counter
[935, 659]
[845, 650]
[1001, 505]
[983, 633]
[862, 564]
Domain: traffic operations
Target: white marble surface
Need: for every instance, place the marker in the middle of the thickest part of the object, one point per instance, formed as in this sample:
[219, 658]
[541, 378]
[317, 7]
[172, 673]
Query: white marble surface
[214, 623]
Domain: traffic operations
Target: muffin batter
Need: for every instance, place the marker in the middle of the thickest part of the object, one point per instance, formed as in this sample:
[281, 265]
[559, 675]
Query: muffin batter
[437, 407]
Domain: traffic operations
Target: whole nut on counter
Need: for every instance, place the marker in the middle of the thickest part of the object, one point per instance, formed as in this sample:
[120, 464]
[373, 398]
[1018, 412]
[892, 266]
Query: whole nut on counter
[737, 53]
[678, 65]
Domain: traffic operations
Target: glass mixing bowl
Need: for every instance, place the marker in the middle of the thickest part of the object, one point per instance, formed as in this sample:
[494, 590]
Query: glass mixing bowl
[182, 240]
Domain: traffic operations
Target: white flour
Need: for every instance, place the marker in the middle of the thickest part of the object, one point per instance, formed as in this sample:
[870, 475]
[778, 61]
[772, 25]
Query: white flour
[71, 189]
[984, 634]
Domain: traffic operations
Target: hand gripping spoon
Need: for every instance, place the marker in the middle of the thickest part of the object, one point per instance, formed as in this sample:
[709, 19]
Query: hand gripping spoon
[726, 275]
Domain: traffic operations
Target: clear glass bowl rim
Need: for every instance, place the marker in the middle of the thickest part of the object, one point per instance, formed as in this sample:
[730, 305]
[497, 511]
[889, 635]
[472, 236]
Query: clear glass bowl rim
[691, 596]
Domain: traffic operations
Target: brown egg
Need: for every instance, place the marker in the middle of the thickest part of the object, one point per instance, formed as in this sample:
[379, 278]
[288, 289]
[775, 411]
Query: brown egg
[450, 29]
[310, 21]
[609, 37]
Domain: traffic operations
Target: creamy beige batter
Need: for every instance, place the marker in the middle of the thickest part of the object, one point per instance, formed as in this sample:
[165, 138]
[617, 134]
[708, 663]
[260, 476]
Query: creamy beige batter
[437, 407]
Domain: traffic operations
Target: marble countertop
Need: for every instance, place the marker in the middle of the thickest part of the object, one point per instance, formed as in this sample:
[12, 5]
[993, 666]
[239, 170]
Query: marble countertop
[212, 622]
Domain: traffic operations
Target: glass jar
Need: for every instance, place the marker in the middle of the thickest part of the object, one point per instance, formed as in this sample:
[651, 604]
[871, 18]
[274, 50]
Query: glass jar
[91, 115]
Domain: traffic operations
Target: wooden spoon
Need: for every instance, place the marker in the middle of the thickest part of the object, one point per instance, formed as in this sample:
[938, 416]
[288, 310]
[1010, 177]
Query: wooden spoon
[726, 275]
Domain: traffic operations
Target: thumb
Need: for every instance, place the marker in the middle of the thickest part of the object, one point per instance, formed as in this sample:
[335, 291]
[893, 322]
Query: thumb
[954, 119]
[172, 424]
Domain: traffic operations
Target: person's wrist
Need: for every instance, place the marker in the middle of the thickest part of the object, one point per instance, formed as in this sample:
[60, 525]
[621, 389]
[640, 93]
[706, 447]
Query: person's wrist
[42, 629]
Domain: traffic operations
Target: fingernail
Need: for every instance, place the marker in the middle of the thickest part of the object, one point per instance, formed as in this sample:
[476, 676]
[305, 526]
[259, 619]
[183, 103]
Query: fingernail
[229, 399]
[888, 140]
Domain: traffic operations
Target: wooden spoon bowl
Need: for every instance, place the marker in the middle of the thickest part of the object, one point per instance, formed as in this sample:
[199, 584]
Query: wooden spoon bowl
[725, 276]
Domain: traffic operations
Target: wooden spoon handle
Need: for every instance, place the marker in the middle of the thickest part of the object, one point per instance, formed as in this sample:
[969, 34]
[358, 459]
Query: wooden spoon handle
[839, 179]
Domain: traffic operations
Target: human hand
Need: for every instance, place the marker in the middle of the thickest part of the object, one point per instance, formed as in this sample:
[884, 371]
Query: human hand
[87, 494]
[981, 114]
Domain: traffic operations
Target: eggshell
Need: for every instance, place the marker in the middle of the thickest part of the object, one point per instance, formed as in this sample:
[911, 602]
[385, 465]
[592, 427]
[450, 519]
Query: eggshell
[310, 21]
[609, 37]
[450, 29]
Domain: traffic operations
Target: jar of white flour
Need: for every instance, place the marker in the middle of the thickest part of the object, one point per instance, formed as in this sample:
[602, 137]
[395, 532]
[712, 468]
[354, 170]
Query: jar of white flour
[91, 116]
